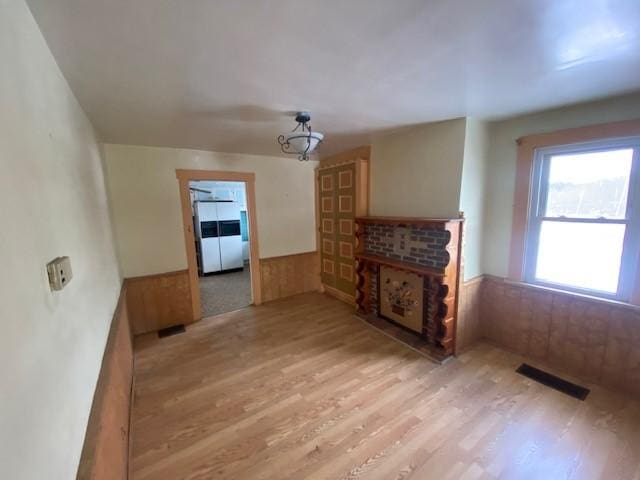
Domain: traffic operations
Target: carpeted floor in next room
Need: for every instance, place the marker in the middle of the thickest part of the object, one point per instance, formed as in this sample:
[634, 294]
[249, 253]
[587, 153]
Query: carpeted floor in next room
[225, 292]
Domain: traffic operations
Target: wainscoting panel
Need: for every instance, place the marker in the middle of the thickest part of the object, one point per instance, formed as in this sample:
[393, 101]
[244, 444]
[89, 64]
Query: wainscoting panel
[588, 338]
[159, 301]
[105, 454]
[289, 275]
[468, 325]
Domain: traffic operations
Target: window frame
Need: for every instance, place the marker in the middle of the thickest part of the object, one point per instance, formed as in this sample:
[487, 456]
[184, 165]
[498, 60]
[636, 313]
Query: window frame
[537, 206]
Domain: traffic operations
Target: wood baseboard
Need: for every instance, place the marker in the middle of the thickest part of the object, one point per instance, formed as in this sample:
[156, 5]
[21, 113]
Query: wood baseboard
[588, 338]
[106, 451]
[339, 295]
[131, 402]
[468, 328]
[159, 301]
[289, 275]
[163, 300]
[532, 321]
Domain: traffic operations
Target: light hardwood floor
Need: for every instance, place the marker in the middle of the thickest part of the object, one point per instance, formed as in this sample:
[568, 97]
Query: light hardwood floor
[301, 388]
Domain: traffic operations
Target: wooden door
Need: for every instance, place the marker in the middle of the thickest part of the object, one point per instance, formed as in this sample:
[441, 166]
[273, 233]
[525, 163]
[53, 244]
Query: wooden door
[337, 197]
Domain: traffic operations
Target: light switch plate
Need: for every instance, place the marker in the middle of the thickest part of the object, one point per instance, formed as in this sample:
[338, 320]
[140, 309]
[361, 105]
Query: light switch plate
[402, 241]
[59, 272]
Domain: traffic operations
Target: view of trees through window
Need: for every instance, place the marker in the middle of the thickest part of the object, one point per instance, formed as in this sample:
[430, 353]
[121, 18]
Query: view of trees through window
[589, 185]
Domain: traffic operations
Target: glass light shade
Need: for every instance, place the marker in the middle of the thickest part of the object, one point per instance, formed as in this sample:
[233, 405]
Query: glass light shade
[298, 141]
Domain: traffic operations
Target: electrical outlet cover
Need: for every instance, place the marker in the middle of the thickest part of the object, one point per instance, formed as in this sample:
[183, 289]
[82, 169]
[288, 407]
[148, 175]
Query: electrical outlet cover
[59, 272]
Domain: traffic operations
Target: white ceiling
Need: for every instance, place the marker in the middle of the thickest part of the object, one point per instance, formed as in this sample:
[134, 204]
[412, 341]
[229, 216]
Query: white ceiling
[215, 74]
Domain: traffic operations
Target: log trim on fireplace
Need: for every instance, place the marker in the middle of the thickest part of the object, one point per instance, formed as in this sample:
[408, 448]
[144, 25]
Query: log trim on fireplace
[441, 283]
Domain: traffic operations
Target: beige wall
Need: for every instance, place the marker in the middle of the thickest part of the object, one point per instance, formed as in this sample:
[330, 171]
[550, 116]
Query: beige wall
[53, 203]
[473, 192]
[416, 172]
[146, 203]
[502, 164]
[435, 170]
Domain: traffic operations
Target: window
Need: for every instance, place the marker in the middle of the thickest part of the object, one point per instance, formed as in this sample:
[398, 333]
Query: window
[583, 231]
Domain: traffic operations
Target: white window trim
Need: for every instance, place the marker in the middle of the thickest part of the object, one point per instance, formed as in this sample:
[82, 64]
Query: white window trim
[538, 194]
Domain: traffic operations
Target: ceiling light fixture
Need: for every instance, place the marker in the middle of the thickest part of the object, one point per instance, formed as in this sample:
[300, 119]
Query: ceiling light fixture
[302, 141]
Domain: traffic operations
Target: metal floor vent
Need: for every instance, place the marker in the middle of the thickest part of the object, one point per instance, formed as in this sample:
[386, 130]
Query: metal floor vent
[167, 332]
[557, 383]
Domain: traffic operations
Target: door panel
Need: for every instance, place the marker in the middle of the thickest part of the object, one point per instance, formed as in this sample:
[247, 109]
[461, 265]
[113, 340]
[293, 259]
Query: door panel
[326, 183]
[231, 252]
[345, 240]
[210, 254]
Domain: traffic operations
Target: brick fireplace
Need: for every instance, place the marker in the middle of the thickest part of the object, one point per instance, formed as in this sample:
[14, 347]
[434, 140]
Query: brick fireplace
[408, 272]
[425, 245]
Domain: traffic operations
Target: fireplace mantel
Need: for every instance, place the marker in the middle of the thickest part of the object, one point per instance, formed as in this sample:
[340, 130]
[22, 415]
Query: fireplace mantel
[430, 248]
[417, 221]
[409, 267]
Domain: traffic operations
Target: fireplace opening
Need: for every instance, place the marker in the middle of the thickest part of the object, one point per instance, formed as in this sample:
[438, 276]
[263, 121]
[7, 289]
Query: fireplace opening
[402, 298]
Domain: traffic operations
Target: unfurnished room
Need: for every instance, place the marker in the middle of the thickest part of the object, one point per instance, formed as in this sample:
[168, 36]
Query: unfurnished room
[363, 239]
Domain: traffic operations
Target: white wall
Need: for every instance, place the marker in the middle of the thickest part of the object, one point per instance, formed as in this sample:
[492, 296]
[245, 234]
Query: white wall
[502, 164]
[416, 172]
[472, 194]
[53, 203]
[146, 203]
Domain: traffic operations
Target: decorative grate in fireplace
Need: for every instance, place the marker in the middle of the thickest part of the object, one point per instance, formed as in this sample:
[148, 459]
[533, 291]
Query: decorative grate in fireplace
[402, 298]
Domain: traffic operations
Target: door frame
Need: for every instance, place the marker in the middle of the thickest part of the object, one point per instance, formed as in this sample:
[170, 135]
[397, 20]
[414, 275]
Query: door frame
[186, 176]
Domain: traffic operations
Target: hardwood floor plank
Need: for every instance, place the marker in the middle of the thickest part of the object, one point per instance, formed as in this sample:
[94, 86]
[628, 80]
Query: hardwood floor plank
[302, 389]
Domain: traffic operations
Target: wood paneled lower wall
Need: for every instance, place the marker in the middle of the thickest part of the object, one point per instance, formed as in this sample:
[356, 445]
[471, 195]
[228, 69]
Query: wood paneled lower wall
[468, 329]
[159, 301]
[289, 275]
[591, 339]
[105, 454]
[162, 300]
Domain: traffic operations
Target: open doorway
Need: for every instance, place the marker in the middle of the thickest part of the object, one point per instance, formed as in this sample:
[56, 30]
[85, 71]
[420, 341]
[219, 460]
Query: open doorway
[219, 210]
[224, 272]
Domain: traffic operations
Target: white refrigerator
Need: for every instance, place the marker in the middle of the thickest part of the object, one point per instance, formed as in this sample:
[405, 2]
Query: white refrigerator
[218, 230]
